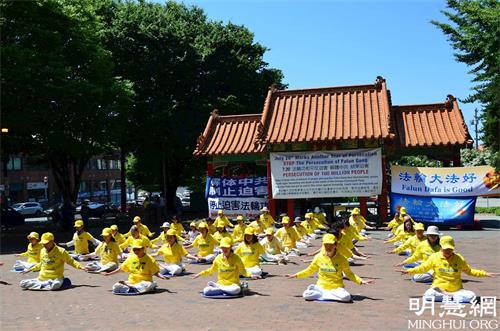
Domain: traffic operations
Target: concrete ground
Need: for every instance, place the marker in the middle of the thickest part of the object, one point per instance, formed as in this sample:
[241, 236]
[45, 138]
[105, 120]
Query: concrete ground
[275, 303]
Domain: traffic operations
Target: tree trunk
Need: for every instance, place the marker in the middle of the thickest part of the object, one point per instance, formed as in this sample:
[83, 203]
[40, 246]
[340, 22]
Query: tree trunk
[123, 184]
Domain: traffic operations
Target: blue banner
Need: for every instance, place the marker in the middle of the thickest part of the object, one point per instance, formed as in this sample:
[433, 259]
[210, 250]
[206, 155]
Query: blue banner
[436, 210]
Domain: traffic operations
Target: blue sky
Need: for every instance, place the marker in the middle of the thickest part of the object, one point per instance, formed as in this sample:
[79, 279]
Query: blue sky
[333, 43]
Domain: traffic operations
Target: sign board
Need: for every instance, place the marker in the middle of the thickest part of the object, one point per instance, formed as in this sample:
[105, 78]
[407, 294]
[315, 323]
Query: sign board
[36, 186]
[323, 174]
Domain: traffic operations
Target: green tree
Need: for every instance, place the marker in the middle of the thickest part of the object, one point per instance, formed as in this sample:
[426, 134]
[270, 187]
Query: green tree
[58, 89]
[182, 67]
[474, 32]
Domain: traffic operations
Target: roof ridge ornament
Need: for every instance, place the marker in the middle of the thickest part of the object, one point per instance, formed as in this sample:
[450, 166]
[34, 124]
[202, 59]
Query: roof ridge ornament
[449, 101]
[215, 113]
[378, 82]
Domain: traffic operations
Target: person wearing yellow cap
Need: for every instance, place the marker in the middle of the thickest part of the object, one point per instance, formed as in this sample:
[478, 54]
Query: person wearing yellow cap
[136, 235]
[331, 267]
[273, 247]
[143, 229]
[211, 226]
[425, 249]
[288, 236]
[266, 218]
[403, 232]
[229, 267]
[192, 233]
[32, 253]
[177, 226]
[172, 253]
[310, 226]
[448, 267]
[305, 239]
[119, 238]
[411, 243]
[81, 239]
[51, 267]
[221, 231]
[239, 229]
[108, 250]
[348, 238]
[250, 251]
[205, 243]
[141, 268]
[258, 226]
[358, 222]
[396, 221]
[221, 217]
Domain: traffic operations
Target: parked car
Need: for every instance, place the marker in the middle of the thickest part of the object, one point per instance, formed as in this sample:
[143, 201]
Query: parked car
[11, 217]
[97, 209]
[29, 208]
[54, 212]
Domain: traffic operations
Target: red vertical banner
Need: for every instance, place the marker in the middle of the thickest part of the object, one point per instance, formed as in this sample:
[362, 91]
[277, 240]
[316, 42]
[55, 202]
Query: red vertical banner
[210, 169]
[290, 208]
[363, 206]
[271, 201]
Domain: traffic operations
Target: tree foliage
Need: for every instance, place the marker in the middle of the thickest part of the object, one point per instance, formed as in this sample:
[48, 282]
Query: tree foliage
[475, 157]
[474, 31]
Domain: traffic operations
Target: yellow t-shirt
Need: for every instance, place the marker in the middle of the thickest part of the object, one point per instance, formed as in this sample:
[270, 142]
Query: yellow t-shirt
[178, 228]
[320, 217]
[250, 254]
[143, 229]
[422, 252]
[411, 244]
[258, 227]
[108, 252]
[274, 247]
[268, 221]
[447, 273]
[81, 242]
[51, 263]
[228, 270]
[238, 232]
[218, 236]
[119, 238]
[330, 271]
[33, 253]
[205, 245]
[145, 241]
[172, 254]
[225, 220]
[300, 230]
[140, 269]
[288, 237]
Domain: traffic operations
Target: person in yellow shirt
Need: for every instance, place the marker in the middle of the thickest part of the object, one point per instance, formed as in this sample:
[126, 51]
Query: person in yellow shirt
[51, 267]
[288, 237]
[223, 218]
[448, 267]
[250, 251]
[211, 226]
[258, 226]
[397, 220]
[172, 253]
[221, 231]
[274, 249]
[239, 229]
[32, 252]
[81, 240]
[310, 226]
[266, 218]
[108, 250]
[135, 235]
[141, 268]
[192, 234]
[410, 244]
[422, 252]
[177, 226]
[331, 267]
[305, 239]
[119, 238]
[403, 232]
[205, 243]
[143, 229]
[229, 267]
[320, 216]
[162, 236]
[358, 222]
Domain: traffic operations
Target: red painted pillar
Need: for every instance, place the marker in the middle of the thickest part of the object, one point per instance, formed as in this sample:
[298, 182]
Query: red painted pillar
[271, 201]
[363, 206]
[382, 198]
[290, 208]
[210, 169]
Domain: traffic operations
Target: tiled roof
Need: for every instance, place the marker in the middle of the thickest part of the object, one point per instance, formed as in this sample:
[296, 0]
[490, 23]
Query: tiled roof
[226, 135]
[437, 124]
[327, 114]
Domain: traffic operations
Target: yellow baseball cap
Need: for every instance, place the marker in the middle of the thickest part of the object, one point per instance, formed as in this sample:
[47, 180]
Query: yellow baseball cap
[114, 227]
[447, 242]
[419, 226]
[355, 211]
[171, 232]
[138, 243]
[285, 220]
[106, 232]
[34, 235]
[220, 211]
[78, 224]
[192, 224]
[202, 225]
[269, 231]
[226, 242]
[240, 218]
[137, 219]
[402, 211]
[249, 230]
[329, 239]
[46, 238]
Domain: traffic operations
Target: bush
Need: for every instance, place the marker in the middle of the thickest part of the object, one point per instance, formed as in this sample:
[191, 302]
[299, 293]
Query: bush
[488, 210]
